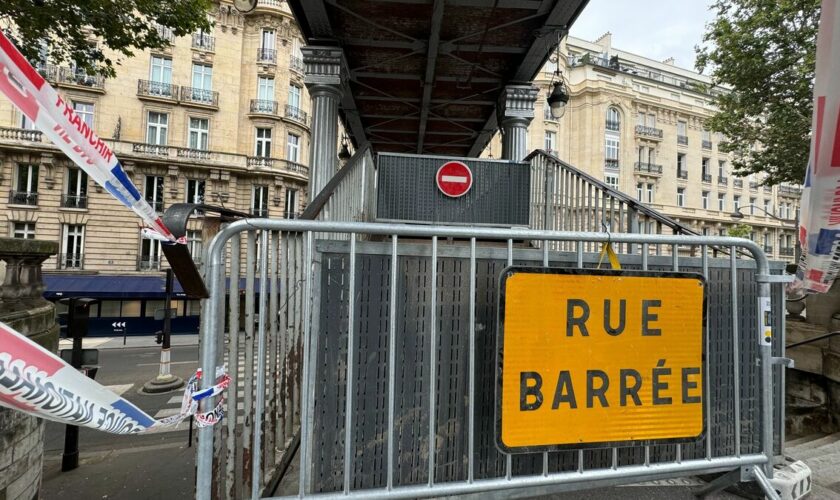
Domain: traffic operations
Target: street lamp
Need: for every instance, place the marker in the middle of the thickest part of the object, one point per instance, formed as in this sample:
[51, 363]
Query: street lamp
[559, 96]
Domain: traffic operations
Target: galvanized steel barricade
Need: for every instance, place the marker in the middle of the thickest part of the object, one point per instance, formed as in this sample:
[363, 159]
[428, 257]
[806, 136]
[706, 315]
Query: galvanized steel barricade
[407, 314]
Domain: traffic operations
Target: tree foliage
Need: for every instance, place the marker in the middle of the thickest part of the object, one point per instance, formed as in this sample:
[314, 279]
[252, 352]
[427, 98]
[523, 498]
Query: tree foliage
[81, 30]
[740, 231]
[765, 52]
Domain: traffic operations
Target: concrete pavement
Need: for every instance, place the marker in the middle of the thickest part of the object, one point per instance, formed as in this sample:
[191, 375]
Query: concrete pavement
[130, 341]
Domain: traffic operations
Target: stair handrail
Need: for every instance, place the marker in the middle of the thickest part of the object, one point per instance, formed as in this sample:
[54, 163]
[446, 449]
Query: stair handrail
[314, 208]
[813, 339]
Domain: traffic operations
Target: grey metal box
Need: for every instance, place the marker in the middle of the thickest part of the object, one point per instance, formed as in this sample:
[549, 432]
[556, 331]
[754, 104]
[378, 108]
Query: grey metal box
[407, 192]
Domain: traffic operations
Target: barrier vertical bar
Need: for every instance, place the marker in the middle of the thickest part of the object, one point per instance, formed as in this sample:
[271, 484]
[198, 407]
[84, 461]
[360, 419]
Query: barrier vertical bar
[708, 364]
[256, 466]
[433, 365]
[392, 360]
[766, 353]
[351, 349]
[307, 396]
[248, 381]
[233, 451]
[676, 267]
[508, 456]
[736, 355]
[471, 394]
[545, 264]
[271, 349]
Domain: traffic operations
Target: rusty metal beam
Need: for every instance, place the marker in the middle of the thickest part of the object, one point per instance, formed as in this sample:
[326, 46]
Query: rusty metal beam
[431, 62]
[415, 77]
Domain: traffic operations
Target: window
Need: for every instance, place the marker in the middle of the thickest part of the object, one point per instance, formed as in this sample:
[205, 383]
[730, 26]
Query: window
[195, 191]
[199, 133]
[157, 128]
[768, 209]
[649, 192]
[767, 246]
[26, 187]
[263, 143]
[651, 120]
[721, 169]
[705, 231]
[291, 203]
[194, 244]
[149, 256]
[705, 166]
[154, 191]
[72, 246]
[265, 88]
[26, 123]
[259, 201]
[613, 120]
[681, 170]
[736, 202]
[681, 197]
[705, 198]
[23, 230]
[612, 148]
[640, 187]
[706, 135]
[294, 96]
[640, 119]
[85, 112]
[202, 83]
[75, 189]
[550, 141]
[721, 202]
[681, 127]
[267, 39]
[611, 180]
[160, 76]
[293, 148]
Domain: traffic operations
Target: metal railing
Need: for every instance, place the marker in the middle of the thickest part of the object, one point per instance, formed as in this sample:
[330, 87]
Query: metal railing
[80, 77]
[265, 55]
[682, 139]
[23, 198]
[706, 144]
[263, 106]
[311, 304]
[199, 96]
[20, 134]
[164, 32]
[157, 205]
[649, 168]
[682, 174]
[787, 251]
[71, 261]
[259, 211]
[611, 163]
[296, 64]
[74, 201]
[768, 189]
[148, 263]
[652, 132]
[614, 126]
[203, 41]
[707, 177]
[722, 181]
[738, 183]
[790, 190]
[157, 89]
[349, 195]
[295, 113]
[753, 186]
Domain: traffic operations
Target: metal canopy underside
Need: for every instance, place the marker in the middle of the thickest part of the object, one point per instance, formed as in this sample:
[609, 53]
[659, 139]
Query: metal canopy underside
[425, 76]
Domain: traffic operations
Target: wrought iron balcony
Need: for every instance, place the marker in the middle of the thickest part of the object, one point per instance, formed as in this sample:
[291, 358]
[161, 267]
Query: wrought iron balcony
[291, 215]
[259, 211]
[73, 201]
[753, 185]
[650, 132]
[20, 134]
[265, 55]
[706, 144]
[80, 77]
[790, 190]
[164, 32]
[203, 41]
[738, 183]
[768, 189]
[162, 90]
[682, 139]
[150, 149]
[295, 113]
[200, 96]
[71, 261]
[23, 198]
[682, 174]
[148, 263]
[193, 154]
[264, 106]
[707, 177]
[156, 204]
[768, 248]
[296, 64]
[786, 251]
[648, 168]
[613, 125]
[611, 163]
[722, 181]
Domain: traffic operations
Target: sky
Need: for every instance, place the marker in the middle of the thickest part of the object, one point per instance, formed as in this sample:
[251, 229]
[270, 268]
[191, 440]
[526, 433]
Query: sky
[657, 29]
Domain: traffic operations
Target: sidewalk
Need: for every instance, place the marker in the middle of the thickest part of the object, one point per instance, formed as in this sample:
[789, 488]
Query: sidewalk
[130, 341]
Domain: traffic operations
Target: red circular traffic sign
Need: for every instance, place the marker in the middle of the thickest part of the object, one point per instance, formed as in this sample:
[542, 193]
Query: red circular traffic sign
[454, 179]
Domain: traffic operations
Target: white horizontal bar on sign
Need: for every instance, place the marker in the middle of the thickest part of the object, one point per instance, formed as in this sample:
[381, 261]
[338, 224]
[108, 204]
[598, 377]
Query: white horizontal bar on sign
[454, 178]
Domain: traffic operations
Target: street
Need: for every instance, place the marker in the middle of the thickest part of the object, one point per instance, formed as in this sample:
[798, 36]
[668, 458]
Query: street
[131, 467]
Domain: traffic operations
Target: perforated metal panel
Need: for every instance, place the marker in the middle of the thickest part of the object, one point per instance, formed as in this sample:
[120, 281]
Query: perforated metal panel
[413, 383]
[406, 191]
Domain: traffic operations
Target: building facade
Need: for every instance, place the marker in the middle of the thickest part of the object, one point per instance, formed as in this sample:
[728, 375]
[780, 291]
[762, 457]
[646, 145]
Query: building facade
[638, 125]
[219, 117]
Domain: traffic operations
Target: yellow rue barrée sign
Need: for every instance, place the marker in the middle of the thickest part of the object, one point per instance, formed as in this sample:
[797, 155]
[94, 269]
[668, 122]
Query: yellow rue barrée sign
[598, 358]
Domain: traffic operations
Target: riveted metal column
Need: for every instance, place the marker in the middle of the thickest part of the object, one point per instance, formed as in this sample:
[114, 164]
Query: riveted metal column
[324, 69]
[516, 112]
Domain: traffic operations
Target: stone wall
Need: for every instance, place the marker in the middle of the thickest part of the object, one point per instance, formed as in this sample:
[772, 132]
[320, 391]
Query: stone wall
[23, 308]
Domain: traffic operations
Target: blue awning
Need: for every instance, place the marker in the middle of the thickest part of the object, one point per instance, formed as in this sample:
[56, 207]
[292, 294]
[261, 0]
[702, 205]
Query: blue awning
[102, 286]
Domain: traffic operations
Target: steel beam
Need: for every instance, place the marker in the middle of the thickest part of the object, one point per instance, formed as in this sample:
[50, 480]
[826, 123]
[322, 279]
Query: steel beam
[429, 79]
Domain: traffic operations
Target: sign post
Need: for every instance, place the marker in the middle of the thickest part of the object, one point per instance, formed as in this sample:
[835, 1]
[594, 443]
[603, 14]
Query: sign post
[165, 381]
[591, 358]
[119, 327]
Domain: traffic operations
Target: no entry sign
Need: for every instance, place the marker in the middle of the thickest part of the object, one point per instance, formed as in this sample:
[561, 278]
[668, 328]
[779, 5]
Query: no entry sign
[454, 179]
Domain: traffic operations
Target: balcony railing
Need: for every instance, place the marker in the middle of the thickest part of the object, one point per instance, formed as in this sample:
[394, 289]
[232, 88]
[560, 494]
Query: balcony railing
[193, 154]
[610, 163]
[682, 139]
[263, 106]
[768, 248]
[652, 132]
[295, 113]
[202, 41]
[738, 183]
[156, 204]
[266, 55]
[260, 162]
[291, 215]
[649, 168]
[148, 263]
[272, 3]
[266, 162]
[157, 89]
[71, 261]
[613, 125]
[259, 212]
[707, 177]
[73, 201]
[790, 190]
[786, 251]
[200, 96]
[753, 185]
[706, 144]
[164, 32]
[23, 198]
[722, 181]
[682, 174]
[20, 134]
[293, 166]
[296, 64]
[150, 149]
[768, 189]
[80, 77]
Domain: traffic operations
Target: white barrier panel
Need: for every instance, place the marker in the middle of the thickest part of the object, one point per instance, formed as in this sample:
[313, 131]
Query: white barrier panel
[36, 381]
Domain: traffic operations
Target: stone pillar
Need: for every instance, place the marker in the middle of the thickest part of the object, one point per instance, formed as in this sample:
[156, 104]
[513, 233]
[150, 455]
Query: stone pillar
[324, 70]
[516, 110]
[23, 308]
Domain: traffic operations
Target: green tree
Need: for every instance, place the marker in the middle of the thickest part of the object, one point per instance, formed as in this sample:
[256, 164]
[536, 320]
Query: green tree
[63, 30]
[740, 231]
[764, 51]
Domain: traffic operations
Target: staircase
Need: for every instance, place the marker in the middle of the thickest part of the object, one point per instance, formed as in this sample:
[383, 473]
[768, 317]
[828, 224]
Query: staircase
[821, 452]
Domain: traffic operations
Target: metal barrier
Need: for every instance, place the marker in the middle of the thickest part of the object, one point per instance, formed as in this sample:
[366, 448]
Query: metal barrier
[407, 315]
